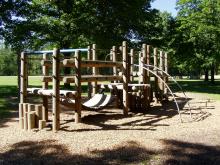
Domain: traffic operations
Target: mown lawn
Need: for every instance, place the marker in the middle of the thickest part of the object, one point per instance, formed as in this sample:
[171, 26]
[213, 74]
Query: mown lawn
[9, 91]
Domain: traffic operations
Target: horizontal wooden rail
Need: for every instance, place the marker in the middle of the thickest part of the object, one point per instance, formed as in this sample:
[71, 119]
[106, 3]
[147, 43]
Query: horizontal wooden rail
[91, 63]
[51, 51]
[48, 63]
[91, 78]
[49, 78]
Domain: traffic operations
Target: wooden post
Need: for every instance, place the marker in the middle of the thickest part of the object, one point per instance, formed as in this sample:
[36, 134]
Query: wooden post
[143, 61]
[140, 80]
[94, 69]
[21, 116]
[155, 71]
[45, 70]
[89, 57]
[31, 120]
[148, 63]
[25, 112]
[162, 68]
[126, 78]
[166, 70]
[41, 124]
[78, 100]
[132, 64]
[23, 78]
[114, 59]
[56, 90]
[38, 111]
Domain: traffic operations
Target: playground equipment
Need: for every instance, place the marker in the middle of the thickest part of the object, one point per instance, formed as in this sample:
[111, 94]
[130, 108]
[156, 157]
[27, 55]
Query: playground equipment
[130, 86]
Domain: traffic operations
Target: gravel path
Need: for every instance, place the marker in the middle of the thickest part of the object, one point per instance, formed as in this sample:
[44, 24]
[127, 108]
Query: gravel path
[107, 137]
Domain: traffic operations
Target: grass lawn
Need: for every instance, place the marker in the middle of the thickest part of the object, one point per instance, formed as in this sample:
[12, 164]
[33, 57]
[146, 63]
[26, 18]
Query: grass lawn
[9, 91]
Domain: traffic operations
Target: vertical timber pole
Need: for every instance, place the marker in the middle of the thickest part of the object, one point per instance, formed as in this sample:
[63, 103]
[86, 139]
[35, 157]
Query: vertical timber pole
[166, 70]
[126, 78]
[155, 71]
[23, 78]
[94, 69]
[114, 59]
[132, 64]
[145, 75]
[140, 80]
[162, 68]
[78, 87]
[56, 90]
[143, 61]
[45, 70]
[89, 57]
[148, 63]
[23, 88]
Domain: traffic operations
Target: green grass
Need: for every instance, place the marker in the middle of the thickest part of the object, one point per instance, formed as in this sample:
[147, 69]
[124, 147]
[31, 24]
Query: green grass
[9, 91]
[199, 86]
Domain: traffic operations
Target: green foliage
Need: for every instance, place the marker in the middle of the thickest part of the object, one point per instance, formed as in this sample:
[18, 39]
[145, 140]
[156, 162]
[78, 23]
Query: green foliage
[199, 32]
[8, 62]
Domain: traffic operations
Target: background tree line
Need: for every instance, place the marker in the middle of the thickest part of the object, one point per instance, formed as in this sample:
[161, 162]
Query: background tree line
[191, 38]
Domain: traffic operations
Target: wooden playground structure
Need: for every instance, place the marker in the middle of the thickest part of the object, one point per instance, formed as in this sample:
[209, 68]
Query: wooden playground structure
[130, 85]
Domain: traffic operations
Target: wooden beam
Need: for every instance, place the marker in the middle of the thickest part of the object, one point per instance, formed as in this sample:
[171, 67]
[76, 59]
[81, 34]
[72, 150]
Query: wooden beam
[89, 57]
[78, 100]
[162, 68]
[126, 78]
[90, 78]
[156, 72]
[23, 78]
[45, 70]
[48, 63]
[56, 89]
[94, 69]
[114, 59]
[132, 64]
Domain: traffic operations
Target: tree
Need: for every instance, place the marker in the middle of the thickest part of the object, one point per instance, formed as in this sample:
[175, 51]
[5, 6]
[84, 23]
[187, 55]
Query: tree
[200, 22]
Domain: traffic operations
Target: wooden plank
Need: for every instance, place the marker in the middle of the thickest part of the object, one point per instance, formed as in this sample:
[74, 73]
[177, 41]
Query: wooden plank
[56, 89]
[78, 100]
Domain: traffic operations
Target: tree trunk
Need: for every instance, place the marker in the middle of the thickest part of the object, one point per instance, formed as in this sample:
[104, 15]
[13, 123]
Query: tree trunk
[206, 75]
[213, 74]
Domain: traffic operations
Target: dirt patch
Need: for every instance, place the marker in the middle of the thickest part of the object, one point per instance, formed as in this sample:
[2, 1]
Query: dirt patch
[107, 137]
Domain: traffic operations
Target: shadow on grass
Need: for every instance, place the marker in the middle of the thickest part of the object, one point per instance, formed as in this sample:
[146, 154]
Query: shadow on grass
[130, 152]
[8, 104]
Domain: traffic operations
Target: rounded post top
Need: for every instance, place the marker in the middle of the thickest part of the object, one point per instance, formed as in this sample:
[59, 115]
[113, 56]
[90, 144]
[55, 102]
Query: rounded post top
[124, 43]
